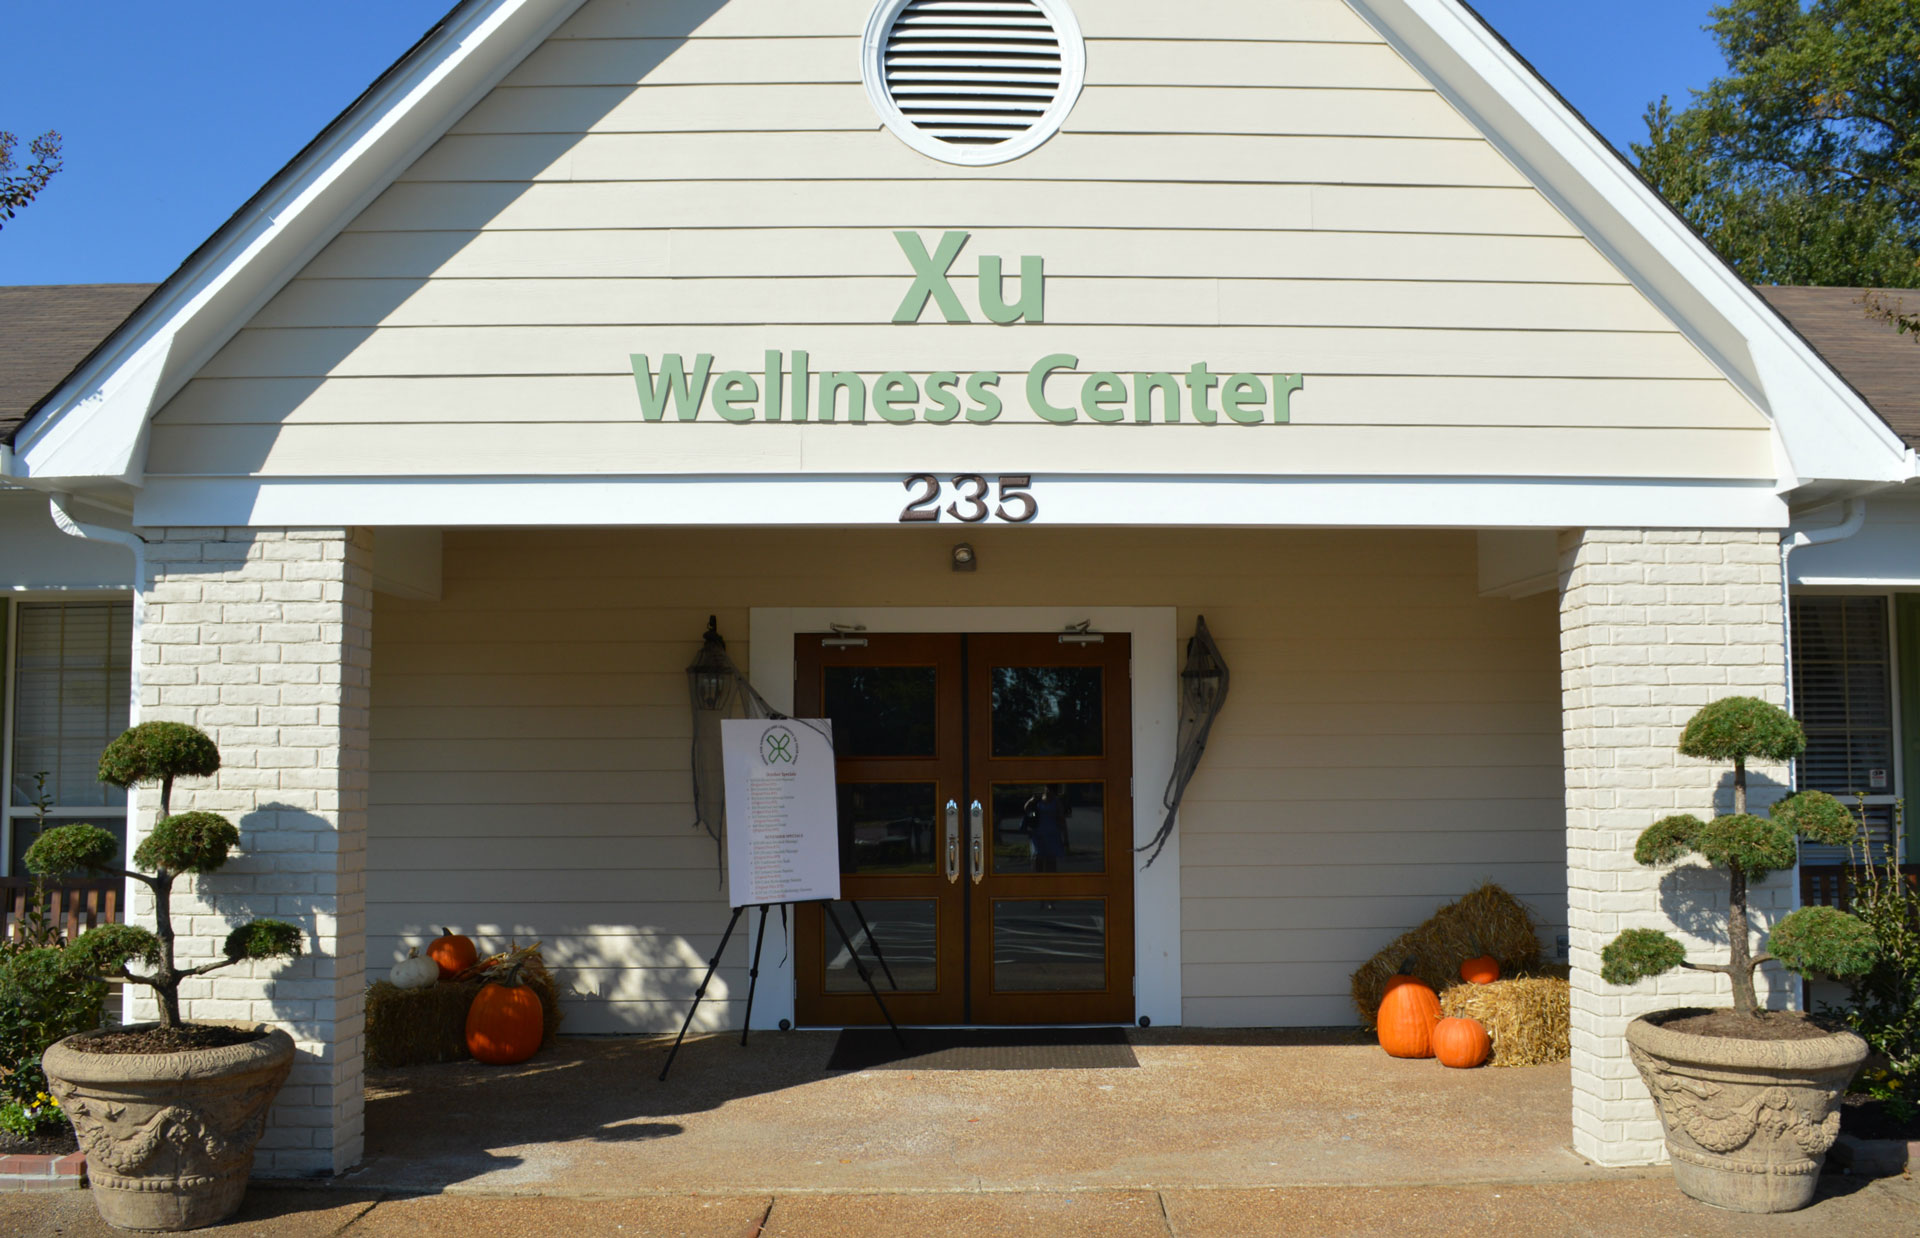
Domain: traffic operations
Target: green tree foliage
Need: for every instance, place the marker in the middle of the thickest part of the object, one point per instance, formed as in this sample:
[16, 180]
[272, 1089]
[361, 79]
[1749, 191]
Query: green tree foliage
[45, 994]
[1802, 164]
[1884, 1001]
[1639, 953]
[18, 191]
[191, 842]
[1747, 847]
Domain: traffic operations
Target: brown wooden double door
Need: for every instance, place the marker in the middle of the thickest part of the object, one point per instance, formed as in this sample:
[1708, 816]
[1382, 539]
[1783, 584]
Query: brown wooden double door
[986, 826]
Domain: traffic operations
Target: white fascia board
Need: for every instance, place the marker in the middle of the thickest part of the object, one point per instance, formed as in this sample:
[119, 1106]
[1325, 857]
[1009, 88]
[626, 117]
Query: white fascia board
[1827, 432]
[851, 500]
[95, 426]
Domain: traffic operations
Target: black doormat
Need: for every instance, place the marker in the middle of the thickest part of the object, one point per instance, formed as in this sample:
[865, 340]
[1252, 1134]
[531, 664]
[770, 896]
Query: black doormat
[984, 1048]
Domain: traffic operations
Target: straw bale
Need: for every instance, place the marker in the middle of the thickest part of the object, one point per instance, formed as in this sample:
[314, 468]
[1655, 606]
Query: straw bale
[415, 1027]
[1487, 921]
[1526, 1017]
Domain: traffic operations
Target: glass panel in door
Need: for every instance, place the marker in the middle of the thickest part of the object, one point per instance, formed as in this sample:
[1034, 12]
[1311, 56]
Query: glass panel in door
[1051, 927]
[896, 703]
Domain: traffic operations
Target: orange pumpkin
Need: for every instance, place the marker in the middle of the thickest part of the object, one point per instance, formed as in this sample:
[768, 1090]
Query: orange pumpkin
[454, 952]
[505, 1024]
[1407, 1015]
[1483, 970]
[1461, 1043]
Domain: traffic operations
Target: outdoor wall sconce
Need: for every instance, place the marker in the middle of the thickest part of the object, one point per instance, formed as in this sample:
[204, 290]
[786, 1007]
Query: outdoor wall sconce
[964, 560]
[710, 677]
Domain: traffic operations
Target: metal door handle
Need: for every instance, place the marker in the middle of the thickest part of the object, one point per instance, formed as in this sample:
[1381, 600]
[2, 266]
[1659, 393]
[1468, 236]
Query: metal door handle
[953, 841]
[977, 819]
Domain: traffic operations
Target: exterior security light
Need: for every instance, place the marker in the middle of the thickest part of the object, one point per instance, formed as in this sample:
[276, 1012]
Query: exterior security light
[710, 678]
[964, 559]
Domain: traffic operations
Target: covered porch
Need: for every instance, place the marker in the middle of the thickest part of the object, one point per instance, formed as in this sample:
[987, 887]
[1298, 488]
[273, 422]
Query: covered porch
[501, 746]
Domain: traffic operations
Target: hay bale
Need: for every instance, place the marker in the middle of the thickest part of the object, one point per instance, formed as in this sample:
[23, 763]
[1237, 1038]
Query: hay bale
[417, 1027]
[1487, 921]
[1526, 1017]
[414, 1027]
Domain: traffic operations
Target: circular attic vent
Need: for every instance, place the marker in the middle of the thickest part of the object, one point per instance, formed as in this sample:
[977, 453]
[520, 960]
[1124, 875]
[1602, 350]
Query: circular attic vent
[973, 81]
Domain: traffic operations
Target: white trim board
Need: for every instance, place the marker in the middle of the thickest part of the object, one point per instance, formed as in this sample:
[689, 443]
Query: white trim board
[822, 500]
[1156, 717]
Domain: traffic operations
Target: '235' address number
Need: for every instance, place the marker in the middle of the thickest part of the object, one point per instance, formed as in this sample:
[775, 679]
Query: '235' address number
[1012, 504]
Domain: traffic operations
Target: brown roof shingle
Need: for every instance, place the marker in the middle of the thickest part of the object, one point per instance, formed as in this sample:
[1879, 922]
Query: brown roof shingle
[1882, 364]
[48, 329]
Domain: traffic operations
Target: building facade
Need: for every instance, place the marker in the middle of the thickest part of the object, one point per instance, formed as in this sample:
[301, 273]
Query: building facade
[1325, 320]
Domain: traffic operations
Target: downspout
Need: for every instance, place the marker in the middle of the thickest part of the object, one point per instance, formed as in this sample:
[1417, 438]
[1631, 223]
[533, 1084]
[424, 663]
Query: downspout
[58, 502]
[1853, 515]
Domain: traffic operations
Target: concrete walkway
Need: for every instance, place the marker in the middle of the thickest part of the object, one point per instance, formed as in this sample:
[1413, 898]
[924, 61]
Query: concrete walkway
[1214, 1134]
[1628, 1206]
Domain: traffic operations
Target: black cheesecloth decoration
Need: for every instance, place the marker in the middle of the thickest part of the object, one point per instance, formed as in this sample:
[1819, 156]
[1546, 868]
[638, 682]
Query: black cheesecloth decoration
[1203, 690]
[718, 690]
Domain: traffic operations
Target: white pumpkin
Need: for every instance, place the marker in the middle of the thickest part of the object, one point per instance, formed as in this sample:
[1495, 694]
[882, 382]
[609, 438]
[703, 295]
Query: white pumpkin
[414, 972]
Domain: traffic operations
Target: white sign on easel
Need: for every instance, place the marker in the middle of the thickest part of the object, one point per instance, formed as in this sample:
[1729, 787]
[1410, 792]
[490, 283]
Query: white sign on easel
[783, 830]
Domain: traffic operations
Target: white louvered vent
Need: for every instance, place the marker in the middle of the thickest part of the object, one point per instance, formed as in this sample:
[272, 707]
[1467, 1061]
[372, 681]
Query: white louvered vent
[973, 81]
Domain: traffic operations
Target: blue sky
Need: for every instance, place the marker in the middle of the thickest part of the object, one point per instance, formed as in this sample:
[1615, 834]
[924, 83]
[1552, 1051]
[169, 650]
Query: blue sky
[175, 114]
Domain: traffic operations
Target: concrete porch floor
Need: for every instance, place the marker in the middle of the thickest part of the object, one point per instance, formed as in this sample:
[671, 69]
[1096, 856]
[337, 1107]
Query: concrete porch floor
[1214, 1135]
[1204, 1108]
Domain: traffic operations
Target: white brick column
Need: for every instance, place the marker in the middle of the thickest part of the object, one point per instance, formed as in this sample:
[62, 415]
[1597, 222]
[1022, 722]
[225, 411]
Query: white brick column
[1653, 626]
[263, 639]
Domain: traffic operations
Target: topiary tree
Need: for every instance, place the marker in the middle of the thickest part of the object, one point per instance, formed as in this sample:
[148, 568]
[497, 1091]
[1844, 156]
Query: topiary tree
[193, 842]
[1748, 847]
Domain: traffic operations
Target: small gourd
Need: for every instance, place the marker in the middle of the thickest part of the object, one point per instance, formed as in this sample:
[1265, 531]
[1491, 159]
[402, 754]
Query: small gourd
[1461, 1043]
[1483, 970]
[454, 952]
[414, 972]
[1408, 1012]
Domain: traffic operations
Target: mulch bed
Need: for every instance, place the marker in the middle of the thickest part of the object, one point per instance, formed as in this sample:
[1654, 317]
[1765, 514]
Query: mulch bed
[165, 1039]
[1768, 1025]
[1866, 1118]
[60, 1143]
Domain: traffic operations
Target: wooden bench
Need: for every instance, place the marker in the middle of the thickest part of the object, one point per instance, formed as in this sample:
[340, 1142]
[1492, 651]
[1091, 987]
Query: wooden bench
[73, 906]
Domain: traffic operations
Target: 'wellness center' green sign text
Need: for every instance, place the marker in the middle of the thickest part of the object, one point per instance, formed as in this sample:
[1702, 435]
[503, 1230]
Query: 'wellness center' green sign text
[786, 388]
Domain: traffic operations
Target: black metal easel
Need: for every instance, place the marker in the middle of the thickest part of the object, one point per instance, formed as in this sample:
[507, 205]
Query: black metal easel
[753, 974]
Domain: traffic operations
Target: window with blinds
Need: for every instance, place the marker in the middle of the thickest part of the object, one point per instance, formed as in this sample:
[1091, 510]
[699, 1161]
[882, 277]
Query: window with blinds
[69, 683]
[1843, 697]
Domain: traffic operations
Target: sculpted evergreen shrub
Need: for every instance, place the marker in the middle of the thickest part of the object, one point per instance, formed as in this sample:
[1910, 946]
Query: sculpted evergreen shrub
[1747, 847]
[192, 842]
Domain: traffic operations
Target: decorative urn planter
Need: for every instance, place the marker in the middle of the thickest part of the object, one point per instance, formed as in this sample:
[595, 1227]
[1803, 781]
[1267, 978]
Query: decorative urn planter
[169, 1137]
[1748, 1122]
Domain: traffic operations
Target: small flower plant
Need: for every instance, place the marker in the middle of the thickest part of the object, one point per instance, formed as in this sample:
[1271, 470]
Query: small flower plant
[1822, 940]
[26, 1119]
[192, 842]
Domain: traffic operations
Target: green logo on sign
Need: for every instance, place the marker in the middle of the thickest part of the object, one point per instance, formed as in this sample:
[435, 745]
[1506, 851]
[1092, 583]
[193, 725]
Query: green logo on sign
[779, 747]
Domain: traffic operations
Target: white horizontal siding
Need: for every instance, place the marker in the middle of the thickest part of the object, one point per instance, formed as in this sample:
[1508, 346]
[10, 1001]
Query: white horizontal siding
[1391, 741]
[1263, 186]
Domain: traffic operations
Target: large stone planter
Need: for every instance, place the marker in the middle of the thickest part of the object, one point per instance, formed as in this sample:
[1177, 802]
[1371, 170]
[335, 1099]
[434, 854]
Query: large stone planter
[1748, 1122]
[169, 1137]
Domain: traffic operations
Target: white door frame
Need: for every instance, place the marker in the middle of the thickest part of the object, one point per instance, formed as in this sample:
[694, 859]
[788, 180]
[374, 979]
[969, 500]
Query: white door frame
[1156, 718]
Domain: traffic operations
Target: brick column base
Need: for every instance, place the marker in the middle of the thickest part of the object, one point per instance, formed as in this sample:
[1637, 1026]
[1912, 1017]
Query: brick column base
[1652, 627]
[262, 638]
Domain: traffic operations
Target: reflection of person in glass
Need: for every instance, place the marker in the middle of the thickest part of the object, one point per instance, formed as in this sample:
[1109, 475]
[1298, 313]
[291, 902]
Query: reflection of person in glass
[1046, 821]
